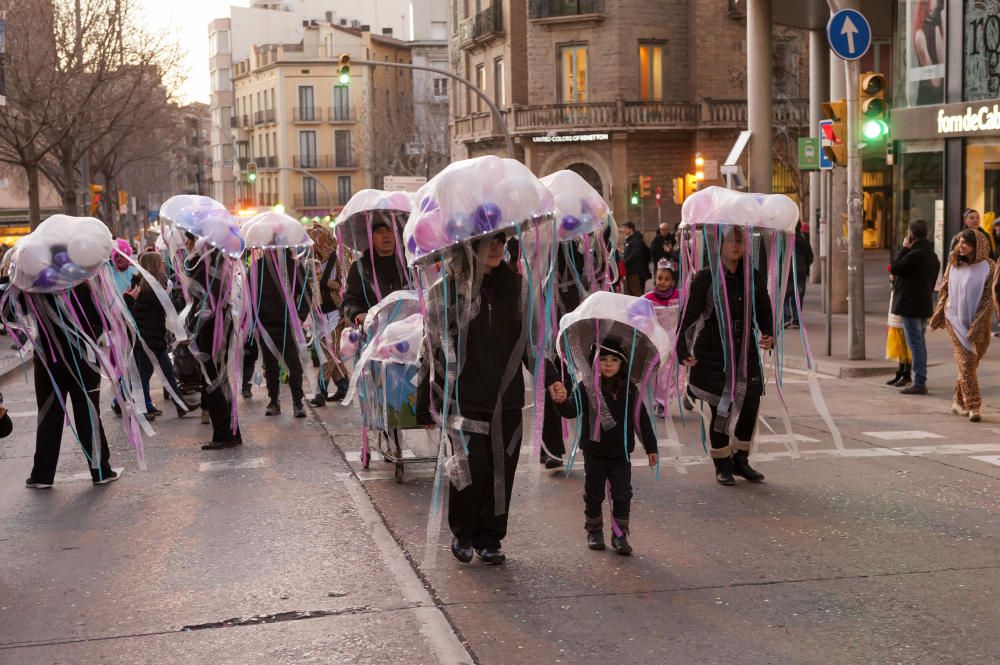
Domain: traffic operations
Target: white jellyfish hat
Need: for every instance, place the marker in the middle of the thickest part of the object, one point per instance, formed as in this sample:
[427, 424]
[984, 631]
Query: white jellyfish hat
[61, 253]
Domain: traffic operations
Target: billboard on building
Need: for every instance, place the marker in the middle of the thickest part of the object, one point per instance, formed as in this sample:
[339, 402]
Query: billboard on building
[981, 50]
[924, 25]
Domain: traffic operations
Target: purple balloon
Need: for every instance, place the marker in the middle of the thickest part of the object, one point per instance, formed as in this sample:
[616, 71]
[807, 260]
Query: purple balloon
[428, 204]
[458, 227]
[353, 336]
[60, 258]
[73, 272]
[570, 223]
[47, 278]
[411, 245]
[487, 217]
[403, 346]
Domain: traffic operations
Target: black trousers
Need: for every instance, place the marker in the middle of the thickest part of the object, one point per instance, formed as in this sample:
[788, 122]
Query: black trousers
[51, 416]
[470, 512]
[218, 402]
[250, 353]
[745, 424]
[597, 472]
[552, 434]
[285, 344]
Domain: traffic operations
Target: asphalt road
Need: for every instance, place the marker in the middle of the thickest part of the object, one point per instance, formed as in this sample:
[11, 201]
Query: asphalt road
[287, 551]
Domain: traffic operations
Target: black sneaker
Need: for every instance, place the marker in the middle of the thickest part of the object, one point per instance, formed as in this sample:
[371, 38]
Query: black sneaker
[553, 463]
[217, 445]
[461, 551]
[741, 467]
[620, 544]
[154, 412]
[116, 409]
[724, 471]
[298, 410]
[107, 479]
[37, 484]
[595, 540]
[273, 409]
[318, 400]
[247, 394]
[491, 556]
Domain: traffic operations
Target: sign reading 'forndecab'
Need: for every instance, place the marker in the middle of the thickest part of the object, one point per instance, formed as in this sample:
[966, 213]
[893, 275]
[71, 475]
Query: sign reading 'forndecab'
[982, 119]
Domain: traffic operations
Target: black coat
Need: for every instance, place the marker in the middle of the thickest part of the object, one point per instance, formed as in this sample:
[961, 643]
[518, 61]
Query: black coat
[915, 271]
[710, 372]
[360, 295]
[636, 256]
[656, 249]
[272, 309]
[150, 318]
[622, 411]
[803, 257]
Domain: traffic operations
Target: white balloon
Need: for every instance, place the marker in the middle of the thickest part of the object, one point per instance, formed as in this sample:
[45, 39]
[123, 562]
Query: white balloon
[88, 251]
[518, 198]
[780, 212]
[32, 257]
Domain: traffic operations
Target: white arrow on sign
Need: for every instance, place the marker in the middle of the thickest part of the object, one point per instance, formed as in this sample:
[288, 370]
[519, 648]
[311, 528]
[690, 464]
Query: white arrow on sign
[849, 29]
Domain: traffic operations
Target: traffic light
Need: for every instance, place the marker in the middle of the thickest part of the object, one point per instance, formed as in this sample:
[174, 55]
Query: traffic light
[252, 172]
[874, 111]
[645, 186]
[634, 198]
[834, 134]
[95, 197]
[678, 190]
[344, 72]
[690, 184]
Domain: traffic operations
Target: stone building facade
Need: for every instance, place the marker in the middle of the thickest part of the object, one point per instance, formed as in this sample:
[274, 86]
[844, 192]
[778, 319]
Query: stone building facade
[618, 89]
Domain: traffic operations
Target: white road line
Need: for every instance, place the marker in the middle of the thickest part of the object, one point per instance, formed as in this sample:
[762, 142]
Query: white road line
[354, 456]
[228, 465]
[989, 459]
[79, 477]
[901, 435]
[22, 414]
[784, 438]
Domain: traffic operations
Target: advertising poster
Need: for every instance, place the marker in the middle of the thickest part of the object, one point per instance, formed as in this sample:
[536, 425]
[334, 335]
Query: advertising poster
[982, 49]
[925, 51]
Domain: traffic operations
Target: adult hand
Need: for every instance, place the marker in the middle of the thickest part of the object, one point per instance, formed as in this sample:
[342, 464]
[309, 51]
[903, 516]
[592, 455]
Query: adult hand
[557, 391]
[908, 241]
[689, 361]
[766, 342]
[3, 410]
[133, 292]
[653, 457]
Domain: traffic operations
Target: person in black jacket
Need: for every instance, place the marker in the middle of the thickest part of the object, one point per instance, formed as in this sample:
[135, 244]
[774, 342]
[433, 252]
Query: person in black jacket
[151, 320]
[607, 460]
[658, 248]
[68, 371]
[915, 271]
[636, 259]
[273, 314]
[490, 398]
[700, 347]
[803, 261]
[361, 293]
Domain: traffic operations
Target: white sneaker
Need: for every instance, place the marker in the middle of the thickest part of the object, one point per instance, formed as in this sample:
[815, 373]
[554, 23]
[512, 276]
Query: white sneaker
[110, 478]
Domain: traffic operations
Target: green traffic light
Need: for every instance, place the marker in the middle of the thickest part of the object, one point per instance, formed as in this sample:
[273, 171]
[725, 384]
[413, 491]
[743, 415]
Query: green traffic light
[872, 130]
[345, 76]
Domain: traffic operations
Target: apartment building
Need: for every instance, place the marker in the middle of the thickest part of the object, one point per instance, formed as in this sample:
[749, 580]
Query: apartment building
[315, 140]
[615, 89]
[191, 166]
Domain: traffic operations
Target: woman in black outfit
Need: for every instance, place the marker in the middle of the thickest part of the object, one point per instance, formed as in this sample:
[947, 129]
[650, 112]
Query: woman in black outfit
[700, 347]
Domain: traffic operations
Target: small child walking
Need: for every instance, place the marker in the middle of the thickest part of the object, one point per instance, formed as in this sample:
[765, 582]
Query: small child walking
[665, 292]
[605, 461]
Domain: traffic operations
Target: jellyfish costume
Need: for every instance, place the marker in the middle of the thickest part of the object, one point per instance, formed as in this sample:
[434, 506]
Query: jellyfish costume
[484, 319]
[62, 298]
[724, 314]
[204, 245]
[281, 308]
[612, 418]
[586, 235]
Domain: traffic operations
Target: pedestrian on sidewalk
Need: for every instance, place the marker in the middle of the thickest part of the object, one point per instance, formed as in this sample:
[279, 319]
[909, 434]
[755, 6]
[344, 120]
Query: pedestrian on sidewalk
[700, 347]
[658, 248]
[606, 461]
[636, 258]
[897, 349]
[151, 321]
[964, 308]
[914, 272]
[973, 222]
[803, 261]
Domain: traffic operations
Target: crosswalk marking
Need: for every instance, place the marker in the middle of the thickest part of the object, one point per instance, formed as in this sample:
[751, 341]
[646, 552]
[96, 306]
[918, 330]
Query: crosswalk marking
[355, 455]
[785, 438]
[225, 465]
[79, 477]
[902, 435]
[989, 459]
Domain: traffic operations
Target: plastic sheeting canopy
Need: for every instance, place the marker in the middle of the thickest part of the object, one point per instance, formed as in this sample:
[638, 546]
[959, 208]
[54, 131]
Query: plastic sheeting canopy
[720, 206]
[579, 208]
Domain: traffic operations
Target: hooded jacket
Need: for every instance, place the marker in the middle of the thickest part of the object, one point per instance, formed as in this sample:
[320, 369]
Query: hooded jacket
[710, 373]
[360, 294]
[979, 330]
[621, 406]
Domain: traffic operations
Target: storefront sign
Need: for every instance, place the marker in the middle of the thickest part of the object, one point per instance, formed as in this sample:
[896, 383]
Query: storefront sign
[946, 121]
[982, 119]
[573, 138]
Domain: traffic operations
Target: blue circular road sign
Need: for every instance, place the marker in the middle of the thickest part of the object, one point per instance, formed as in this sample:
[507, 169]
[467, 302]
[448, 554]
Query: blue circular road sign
[849, 34]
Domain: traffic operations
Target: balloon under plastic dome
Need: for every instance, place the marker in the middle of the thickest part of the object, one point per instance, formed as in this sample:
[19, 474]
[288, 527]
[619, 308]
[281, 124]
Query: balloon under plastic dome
[269, 230]
[720, 206]
[202, 217]
[62, 252]
[579, 208]
[470, 199]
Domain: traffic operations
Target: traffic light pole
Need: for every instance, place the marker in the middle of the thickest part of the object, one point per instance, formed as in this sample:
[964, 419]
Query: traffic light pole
[855, 212]
[497, 115]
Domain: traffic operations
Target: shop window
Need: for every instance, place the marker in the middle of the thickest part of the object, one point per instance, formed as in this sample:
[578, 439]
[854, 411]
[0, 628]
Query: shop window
[919, 191]
[481, 84]
[573, 74]
[650, 71]
[498, 88]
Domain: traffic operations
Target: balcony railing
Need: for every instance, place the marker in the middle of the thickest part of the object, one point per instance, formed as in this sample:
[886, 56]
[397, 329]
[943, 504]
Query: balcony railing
[308, 161]
[246, 120]
[542, 9]
[263, 117]
[266, 162]
[622, 115]
[340, 114]
[307, 200]
[233, 122]
[483, 26]
[307, 114]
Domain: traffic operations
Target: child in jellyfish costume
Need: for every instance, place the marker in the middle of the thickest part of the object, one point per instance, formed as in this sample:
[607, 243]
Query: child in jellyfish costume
[613, 345]
[204, 244]
[738, 251]
[583, 266]
[279, 297]
[61, 296]
[484, 321]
